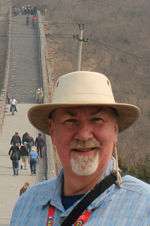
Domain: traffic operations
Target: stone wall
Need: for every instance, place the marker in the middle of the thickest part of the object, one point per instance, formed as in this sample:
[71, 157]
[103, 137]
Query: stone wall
[50, 166]
[6, 72]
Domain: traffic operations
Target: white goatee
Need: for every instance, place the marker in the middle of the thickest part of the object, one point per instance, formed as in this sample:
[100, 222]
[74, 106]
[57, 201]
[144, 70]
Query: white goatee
[85, 165]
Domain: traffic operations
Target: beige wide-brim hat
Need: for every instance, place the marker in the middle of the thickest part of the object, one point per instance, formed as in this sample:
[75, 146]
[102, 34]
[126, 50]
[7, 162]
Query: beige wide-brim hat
[82, 88]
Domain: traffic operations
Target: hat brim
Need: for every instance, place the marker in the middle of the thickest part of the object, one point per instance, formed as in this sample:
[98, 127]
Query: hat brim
[38, 114]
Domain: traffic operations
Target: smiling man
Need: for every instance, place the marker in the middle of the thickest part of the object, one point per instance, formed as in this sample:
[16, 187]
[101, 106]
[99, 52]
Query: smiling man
[84, 138]
[83, 121]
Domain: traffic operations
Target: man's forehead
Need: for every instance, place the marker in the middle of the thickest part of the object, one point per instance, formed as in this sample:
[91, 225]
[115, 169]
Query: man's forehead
[75, 110]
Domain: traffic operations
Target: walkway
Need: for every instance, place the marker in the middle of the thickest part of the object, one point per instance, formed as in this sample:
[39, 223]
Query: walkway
[24, 78]
[9, 184]
[25, 70]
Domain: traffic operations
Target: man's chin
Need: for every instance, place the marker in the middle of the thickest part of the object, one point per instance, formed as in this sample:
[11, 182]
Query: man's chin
[84, 165]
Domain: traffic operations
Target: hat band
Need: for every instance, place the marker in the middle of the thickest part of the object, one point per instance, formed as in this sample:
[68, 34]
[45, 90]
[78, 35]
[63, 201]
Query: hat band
[84, 99]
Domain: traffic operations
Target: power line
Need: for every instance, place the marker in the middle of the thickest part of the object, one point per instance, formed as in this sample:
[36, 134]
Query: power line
[102, 43]
[60, 36]
[121, 38]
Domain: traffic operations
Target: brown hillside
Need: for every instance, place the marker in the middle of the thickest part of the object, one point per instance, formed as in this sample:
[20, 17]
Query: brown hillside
[118, 46]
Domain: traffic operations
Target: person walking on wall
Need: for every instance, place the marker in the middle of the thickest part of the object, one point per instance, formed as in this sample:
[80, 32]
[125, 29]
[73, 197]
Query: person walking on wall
[33, 160]
[15, 157]
[30, 142]
[15, 139]
[25, 187]
[24, 155]
[8, 97]
[39, 142]
[24, 136]
[13, 104]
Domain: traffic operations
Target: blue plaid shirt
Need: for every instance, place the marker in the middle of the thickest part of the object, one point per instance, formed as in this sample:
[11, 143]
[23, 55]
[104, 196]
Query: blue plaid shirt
[126, 206]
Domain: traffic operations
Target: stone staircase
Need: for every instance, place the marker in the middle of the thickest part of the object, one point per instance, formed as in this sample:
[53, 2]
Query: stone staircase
[24, 62]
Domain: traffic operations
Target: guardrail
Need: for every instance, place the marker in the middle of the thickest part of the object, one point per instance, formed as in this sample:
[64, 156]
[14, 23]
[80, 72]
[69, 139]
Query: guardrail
[6, 73]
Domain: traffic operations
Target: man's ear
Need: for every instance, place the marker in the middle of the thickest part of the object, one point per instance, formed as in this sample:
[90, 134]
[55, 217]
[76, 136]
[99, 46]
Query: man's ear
[51, 129]
[116, 128]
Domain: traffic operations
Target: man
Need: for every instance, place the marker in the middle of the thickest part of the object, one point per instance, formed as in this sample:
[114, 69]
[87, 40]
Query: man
[40, 96]
[33, 161]
[24, 136]
[13, 104]
[8, 97]
[39, 142]
[24, 155]
[84, 121]
[15, 139]
[25, 187]
[30, 142]
[27, 19]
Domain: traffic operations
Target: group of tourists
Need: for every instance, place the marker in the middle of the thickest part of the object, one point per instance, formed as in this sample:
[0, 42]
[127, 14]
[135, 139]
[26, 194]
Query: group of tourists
[29, 10]
[15, 11]
[26, 152]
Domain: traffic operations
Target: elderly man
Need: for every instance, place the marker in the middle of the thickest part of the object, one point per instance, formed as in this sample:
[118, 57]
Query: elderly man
[84, 121]
[33, 160]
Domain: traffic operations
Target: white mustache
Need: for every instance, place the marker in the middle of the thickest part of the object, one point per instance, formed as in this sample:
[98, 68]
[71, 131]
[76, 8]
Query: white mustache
[92, 143]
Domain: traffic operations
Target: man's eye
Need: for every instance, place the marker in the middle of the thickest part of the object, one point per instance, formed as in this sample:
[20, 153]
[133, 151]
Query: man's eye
[97, 119]
[70, 120]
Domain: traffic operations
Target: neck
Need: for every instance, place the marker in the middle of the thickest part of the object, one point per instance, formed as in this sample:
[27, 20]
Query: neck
[76, 185]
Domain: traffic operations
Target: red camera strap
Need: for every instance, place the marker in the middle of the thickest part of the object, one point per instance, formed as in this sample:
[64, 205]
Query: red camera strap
[80, 221]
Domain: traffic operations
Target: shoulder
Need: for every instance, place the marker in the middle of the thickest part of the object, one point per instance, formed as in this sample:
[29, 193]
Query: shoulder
[132, 184]
[128, 205]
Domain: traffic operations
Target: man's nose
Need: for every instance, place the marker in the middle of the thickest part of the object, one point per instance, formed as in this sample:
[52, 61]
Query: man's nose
[84, 132]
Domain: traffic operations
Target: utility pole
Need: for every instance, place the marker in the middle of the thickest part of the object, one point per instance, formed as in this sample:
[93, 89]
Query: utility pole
[80, 39]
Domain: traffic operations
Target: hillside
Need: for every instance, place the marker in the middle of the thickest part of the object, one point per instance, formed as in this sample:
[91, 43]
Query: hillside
[118, 47]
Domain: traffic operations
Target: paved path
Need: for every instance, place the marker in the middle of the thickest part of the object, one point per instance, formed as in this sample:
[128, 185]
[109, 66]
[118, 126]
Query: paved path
[9, 184]
[24, 78]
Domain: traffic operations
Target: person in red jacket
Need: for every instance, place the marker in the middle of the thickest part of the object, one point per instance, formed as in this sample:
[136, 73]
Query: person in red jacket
[34, 21]
[25, 187]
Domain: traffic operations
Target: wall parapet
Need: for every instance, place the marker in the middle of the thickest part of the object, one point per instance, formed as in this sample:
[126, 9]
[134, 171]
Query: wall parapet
[6, 72]
[50, 166]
